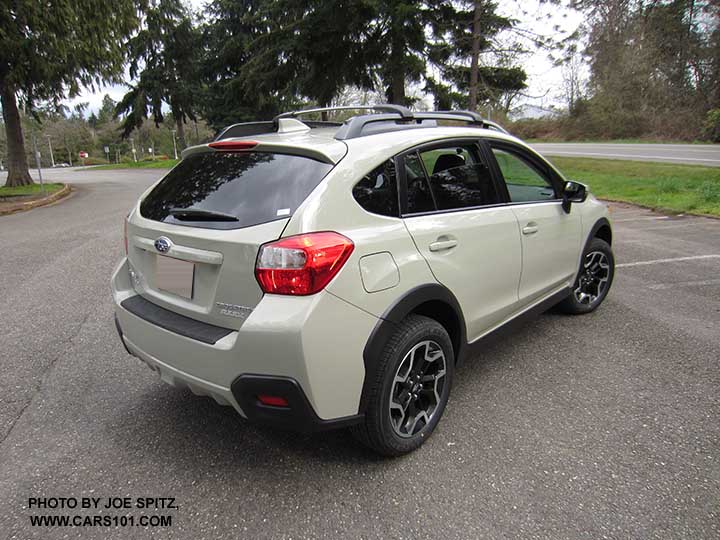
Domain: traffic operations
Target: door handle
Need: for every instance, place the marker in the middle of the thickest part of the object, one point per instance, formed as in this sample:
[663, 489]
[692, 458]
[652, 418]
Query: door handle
[530, 228]
[442, 245]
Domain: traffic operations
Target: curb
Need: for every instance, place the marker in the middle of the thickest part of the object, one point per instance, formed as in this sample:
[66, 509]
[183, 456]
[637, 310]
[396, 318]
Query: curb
[64, 192]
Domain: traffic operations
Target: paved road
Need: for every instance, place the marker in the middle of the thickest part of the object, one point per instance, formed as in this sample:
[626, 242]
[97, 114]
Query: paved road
[693, 154]
[603, 426]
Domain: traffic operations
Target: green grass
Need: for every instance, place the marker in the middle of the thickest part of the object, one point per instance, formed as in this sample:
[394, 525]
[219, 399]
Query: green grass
[159, 164]
[32, 189]
[675, 188]
[517, 172]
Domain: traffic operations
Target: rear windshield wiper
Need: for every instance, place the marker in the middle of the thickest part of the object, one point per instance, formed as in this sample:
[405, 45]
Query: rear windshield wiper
[194, 214]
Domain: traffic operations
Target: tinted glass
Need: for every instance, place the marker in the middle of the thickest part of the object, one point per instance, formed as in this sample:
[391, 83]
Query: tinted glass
[524, 183]
[377, 191]
[458, 179]
[419, 197]
[254, 187]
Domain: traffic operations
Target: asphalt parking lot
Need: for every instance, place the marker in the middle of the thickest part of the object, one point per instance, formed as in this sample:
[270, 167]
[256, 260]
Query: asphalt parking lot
[602, 426]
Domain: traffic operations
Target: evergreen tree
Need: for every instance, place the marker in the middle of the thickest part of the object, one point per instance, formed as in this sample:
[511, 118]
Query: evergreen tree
[400, 42]
[312, 48]
[465, 31]
[49, 50]
[164, 64]
[107, 110]
[230, 29]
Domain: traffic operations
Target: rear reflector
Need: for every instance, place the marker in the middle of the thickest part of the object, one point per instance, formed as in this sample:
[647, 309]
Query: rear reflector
[233, 146]
[303, 264]
[273, 401]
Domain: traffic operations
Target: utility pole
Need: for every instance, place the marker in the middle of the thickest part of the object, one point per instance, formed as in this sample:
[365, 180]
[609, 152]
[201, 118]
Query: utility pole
[67, 147]
[174, 143]
[37, 162]
[52, 157]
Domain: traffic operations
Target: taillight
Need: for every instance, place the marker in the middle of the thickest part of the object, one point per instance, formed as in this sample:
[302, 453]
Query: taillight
[303, 264]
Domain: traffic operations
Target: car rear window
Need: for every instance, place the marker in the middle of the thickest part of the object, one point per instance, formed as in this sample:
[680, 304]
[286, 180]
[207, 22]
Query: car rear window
[241, 189]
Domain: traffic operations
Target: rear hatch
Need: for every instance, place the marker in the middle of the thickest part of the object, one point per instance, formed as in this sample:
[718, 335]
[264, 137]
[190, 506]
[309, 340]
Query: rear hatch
[194, 239]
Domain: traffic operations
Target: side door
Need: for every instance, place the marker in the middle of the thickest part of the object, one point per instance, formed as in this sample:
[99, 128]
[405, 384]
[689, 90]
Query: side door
[453, 208]
[550, 236]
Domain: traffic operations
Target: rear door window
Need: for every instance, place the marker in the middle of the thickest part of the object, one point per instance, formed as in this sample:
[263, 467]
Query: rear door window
[230, 190]
[419, 196]
[524, 182]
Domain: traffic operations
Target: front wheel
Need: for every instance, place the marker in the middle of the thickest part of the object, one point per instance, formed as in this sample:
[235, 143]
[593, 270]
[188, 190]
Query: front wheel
[410, 392]
[594, 279]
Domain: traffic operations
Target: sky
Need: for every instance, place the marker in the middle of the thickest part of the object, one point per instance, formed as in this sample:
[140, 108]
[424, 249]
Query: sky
[544, 79]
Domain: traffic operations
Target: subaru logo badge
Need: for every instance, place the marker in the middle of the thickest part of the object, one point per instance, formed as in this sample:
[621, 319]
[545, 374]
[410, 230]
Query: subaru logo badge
[163, 244]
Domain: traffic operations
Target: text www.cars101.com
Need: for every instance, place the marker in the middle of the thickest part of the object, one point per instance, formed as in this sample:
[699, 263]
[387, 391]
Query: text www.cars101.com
[100, 521]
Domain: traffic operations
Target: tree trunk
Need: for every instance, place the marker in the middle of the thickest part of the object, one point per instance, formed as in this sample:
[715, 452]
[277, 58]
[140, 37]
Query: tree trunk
[474, 57]
[180, 132]
[396, 91]
[398, 87]
[18, 173]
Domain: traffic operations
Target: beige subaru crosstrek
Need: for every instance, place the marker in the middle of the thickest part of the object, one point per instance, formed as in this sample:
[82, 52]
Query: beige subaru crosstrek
[316, 274]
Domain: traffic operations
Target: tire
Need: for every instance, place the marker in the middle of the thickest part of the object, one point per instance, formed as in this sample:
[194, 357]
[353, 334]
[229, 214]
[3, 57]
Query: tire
[594, 279]
[419, 349]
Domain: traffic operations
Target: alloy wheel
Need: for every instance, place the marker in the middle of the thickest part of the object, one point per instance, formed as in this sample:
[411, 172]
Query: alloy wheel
[593, 279]
[417, 388]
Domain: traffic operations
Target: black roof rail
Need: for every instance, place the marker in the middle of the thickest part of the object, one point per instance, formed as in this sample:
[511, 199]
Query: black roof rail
[398, 116]
[404, 112]
[355, 126]
[496, 127]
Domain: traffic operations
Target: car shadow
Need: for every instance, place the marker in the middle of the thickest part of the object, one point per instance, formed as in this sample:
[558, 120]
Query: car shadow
[184, 427]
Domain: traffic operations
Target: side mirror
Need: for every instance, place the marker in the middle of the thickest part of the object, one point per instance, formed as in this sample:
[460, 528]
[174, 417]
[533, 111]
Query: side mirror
[573, 192]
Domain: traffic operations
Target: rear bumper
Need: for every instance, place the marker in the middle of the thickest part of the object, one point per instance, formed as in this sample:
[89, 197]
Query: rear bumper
[176, 377]
[298, 416]
[308, 347]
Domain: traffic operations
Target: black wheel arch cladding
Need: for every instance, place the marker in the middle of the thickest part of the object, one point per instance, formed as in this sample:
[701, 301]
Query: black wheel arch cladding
[602, 230]
[432, 300]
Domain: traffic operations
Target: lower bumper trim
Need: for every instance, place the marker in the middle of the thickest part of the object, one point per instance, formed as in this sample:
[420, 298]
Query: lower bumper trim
[297, 416]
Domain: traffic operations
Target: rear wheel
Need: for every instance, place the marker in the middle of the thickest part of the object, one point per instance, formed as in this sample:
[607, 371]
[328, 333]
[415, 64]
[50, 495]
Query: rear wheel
[594, 279]
[411, 389]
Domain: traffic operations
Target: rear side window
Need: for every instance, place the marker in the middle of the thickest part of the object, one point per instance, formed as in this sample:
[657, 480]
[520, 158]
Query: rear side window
[377, 191]
[229, 190]
[458, 178]
[419, 197]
